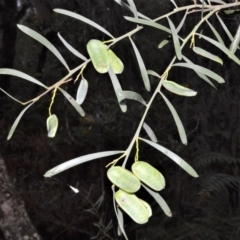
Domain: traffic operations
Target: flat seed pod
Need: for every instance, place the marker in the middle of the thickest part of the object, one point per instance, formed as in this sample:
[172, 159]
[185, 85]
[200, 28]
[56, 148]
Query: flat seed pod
[115, 62]
[52, 125]
[82, 91]
[123, 179]
[147, 206]
[99, 55]
[133, 206]
[148, 175]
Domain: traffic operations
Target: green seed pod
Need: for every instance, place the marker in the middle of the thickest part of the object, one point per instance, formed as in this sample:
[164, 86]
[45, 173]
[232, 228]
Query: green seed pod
[133, 206]
[99, 55]
[123, 179]
[148, 175]
[147, 206]
[52, 125]
[115, 62]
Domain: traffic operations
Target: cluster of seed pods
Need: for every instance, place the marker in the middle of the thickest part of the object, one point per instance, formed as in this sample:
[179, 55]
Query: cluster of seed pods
[130, 182]
[103, 58]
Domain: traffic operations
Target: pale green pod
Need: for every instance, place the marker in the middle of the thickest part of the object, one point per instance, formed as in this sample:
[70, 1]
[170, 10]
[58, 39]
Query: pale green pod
[52, 125]
[133, 206]
[99, 55]
[148, 207]
[115, 62]
[123, 179]
[148, 175]
[82, 91]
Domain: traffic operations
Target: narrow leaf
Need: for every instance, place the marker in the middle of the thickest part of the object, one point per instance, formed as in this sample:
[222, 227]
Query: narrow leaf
[177, 120]
[202, 70]
[217, 35]
[133, 96]
[218, 1]
[150, 132]
[72, 49]
[201, 75]
[14, 126]
[235, 41]
[11, 96]
[99, 202]
[16, 73]
[166, 41]
[222, 48]
[173, 2]
[124, 5]
[225, 28]
[82, 91]
[83, 19]
[207, 54]
[148, 23]
[184, 165]
[162, 203]
[178, 89]
[175, 39]
[52, 125]
[163, 43]
[73, 102]
[120, 222]
[133, 8]
[79, 160]
[109, 226]
[142, 67]
[153, 73]
[182, 22]
[74, 189]
[118, 90]
[44, 42]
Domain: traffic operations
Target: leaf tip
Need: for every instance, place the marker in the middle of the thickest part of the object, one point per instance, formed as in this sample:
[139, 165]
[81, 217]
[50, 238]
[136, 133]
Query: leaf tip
[20, 26]
[124, 109]
[47, 174]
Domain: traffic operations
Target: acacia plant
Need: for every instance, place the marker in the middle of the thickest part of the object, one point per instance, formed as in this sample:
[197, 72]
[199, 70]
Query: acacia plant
[104, 60]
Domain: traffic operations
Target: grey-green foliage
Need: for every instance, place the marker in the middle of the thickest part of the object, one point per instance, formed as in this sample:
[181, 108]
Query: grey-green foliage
[98, 55]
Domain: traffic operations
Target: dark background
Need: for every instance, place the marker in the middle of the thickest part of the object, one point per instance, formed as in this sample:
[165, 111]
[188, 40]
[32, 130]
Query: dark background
[203, 208]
